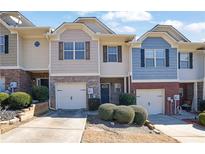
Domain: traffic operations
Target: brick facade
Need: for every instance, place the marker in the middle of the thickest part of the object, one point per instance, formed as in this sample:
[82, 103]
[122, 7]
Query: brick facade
[91, 82]
[23, 79]
[171, 89]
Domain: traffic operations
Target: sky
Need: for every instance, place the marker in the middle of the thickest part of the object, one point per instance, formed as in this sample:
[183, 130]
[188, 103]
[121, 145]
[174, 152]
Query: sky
[190, 24]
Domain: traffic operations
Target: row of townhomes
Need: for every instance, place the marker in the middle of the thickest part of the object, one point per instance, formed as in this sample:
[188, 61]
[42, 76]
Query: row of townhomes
[86, 59]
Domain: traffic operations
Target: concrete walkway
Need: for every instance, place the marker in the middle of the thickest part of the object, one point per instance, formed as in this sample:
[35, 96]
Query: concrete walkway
[178, 129]
[55, 127]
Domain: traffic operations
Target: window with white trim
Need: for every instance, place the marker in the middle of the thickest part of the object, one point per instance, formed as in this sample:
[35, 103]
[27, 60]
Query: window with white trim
[184, 60]
[112, 54]
[155, 57]
[74, 50]
[2, 44]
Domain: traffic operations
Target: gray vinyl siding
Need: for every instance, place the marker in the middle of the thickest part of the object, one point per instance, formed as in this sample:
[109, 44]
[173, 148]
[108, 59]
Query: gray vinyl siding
[9, 59]
[143, 73]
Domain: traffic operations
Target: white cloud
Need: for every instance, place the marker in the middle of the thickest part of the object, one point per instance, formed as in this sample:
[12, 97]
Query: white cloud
[196, 27]
[127, 16]
[203, 39]
[115, 26]
[176, 23]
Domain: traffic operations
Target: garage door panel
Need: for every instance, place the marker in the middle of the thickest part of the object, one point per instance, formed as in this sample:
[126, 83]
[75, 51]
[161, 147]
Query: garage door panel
[71, 96]
[152, 100]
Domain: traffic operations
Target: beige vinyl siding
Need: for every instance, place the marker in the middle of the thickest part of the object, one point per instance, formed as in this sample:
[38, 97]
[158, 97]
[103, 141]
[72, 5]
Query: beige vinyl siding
[74, 66]
[115, 68]
[35, 57]
[9, 59]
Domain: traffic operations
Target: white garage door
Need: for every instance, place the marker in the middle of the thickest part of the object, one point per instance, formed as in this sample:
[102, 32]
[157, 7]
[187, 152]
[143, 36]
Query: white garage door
[71, 95]
[151, 99]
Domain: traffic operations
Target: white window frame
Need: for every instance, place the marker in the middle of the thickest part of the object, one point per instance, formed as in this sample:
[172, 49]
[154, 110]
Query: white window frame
[74, 50]
[155, 58]
[188, 67]
[112, 54]
[2, 52]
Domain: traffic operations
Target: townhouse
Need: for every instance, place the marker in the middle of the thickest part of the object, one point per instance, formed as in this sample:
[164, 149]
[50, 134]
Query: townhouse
[86, 59]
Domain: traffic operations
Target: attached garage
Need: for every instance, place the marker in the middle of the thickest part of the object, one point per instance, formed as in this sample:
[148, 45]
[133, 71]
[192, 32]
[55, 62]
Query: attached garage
[71, 95]
[152, 99]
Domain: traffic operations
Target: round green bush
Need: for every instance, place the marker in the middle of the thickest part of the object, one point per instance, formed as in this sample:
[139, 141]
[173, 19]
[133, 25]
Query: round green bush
[202, 118]
[3, 99]
[127, 99]
[124, 114]
[141, 114]
[106, 111]
[40, 93]
[19, 100]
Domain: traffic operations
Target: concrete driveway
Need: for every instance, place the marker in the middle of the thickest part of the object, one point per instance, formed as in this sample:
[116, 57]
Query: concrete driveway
[178, 129]
[55, 127]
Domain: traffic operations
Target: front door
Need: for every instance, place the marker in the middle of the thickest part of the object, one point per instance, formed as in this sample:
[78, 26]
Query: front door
[105, 90]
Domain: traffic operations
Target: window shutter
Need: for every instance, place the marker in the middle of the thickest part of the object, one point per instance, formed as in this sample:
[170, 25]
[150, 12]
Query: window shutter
[142, 58]
[60, 51]
[104, 53]
[179, 60]
[6, 44]
[87, 48]
[119, 49]
[190, 60]
[167, 57]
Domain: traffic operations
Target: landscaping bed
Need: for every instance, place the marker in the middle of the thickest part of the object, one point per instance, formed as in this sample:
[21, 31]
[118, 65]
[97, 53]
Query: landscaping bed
[100, 131]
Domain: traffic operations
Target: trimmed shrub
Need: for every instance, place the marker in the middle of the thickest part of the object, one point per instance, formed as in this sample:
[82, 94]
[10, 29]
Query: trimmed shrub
[40, 93]
[202, 118]
[124, 114]
[202, 105]
[19, 100]
[3, 99]
[93, 104]
[106, 111]
[127, 99]
[141, 114]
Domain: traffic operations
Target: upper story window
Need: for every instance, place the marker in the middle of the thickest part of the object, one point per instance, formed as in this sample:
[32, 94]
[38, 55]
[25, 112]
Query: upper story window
[2, 44]
[184, 60]
[112, 54]
[155, 57]
[74, 50]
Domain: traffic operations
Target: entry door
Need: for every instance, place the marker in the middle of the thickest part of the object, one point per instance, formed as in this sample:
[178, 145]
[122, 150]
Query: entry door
[152, 100]
[105, 91]
[71, 96]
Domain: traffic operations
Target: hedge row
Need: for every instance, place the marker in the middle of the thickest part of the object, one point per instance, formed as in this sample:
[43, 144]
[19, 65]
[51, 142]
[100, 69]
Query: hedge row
[123, 114]
[17, 100]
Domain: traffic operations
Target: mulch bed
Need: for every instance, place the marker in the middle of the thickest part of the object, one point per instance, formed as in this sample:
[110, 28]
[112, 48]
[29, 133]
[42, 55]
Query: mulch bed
[99, 131]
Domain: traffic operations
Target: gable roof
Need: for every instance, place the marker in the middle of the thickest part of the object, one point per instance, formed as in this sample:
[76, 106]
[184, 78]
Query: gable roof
[15, 18]
[173, 32]
[80, 19]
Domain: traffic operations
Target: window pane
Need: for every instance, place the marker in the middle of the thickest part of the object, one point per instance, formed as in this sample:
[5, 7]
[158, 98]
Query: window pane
[1, 40]
[68, 54]
[112, 58]
[79, 46]
[149, 62]
[1, 48]
[160, 62]
[149, 53]
[112, 54]
[79, 54]
[160, 54]
[68, 46]
[112, 50]
[184, 64]
[184, 57]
